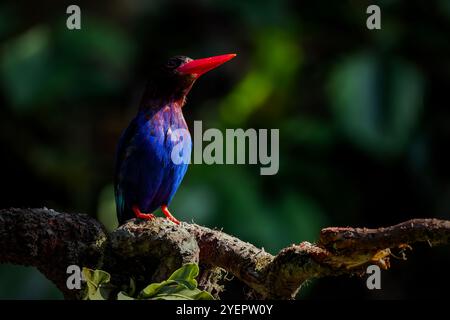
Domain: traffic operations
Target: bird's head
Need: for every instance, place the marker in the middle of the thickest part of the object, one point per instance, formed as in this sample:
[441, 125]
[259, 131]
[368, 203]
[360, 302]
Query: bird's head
[175, 78]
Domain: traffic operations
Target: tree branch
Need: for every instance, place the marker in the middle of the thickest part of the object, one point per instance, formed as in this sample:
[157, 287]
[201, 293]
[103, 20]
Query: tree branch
[151, 250]
[51, 241]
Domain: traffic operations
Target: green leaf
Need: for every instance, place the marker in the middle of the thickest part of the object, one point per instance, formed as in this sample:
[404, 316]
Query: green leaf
[181, 285]
[184, 294]
[98, 285]
[124, 296]
[132, 289]
[186, 275]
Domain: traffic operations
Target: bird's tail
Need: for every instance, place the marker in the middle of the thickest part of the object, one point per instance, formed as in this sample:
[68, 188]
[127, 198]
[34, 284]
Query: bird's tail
[121, 208]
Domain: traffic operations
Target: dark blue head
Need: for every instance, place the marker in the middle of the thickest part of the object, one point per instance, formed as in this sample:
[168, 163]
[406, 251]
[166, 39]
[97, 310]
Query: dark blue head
[172, 81]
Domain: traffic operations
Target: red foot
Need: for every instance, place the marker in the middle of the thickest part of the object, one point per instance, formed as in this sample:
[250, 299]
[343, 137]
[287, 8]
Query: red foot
[139, 214]
[169, 216]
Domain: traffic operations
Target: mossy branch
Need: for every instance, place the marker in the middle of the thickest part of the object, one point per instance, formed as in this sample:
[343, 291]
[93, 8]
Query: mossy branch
[152, 250]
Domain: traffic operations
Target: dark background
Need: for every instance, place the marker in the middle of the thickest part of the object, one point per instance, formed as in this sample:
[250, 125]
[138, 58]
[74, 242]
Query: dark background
[363, 118]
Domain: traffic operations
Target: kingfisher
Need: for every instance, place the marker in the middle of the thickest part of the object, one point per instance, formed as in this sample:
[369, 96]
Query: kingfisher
[146, 176]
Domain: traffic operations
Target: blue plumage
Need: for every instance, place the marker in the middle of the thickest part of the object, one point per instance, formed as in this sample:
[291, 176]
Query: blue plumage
[146, 175]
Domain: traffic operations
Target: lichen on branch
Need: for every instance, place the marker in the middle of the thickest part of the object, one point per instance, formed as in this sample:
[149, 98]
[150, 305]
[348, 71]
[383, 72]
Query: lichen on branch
[149, 251]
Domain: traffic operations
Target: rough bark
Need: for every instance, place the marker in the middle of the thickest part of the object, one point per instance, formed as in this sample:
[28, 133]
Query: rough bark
[152, 250]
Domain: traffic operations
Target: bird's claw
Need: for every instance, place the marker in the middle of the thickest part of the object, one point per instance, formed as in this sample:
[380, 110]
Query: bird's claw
[140, 215]
[169, 216]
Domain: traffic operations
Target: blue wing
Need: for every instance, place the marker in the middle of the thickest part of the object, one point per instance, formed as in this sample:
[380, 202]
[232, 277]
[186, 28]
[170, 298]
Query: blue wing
[138, 171]
[145, 173]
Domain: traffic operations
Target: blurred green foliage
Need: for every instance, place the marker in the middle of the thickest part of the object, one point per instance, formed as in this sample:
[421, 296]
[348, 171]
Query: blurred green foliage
[363, 115]
[44, 66]
[377, 103]
[266, 78]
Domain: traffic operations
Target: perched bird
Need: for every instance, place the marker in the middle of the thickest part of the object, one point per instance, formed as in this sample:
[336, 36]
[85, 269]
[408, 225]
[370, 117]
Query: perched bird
[146, 177]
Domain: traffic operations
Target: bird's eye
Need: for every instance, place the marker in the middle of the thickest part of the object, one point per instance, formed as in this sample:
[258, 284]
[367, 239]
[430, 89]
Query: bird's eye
[173, 63]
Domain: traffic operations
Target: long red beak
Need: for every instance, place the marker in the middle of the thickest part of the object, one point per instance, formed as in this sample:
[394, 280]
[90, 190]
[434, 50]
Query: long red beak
[200, 66]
